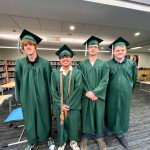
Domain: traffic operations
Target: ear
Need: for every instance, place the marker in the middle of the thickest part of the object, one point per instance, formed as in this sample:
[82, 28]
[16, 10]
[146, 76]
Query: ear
[36, 46]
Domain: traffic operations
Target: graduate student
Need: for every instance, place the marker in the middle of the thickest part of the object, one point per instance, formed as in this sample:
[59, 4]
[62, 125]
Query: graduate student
[32, 78]
[95, 79]
[66, 93]
[122, 79]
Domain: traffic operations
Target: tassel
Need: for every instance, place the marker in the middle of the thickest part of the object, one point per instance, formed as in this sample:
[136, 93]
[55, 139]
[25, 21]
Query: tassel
[18, 46]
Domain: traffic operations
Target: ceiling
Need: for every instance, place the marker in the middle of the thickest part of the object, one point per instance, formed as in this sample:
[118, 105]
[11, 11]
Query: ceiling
[51, 19]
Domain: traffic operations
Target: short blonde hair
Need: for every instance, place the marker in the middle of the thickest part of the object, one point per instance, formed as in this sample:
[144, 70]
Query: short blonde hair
[28, 41]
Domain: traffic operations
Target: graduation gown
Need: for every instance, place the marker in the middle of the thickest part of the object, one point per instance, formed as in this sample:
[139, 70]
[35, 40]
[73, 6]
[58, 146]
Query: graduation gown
[95, 79]
[122, 79]
[33, 92]
[69, 130]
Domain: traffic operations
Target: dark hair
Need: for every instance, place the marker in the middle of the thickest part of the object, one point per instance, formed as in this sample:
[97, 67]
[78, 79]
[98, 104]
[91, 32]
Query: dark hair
[136, 59]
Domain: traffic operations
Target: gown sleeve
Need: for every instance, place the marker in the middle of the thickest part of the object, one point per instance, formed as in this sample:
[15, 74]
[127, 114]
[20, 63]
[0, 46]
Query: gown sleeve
[86, 86]
[48, 73]
[74, 100]
[100, 90]
[54, 91]
[134, 74]
[18, 74]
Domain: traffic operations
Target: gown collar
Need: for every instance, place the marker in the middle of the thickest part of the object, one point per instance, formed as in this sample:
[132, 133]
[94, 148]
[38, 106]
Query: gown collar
[64, 73]
[92, 63]
[32, 62]
[115, 61]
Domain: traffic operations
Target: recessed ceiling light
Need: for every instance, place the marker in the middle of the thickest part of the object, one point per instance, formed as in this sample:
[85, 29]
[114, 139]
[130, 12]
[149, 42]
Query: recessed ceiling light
[72, 27]
[148, 49]
[137, 34]
[136, 47]
[69, 34]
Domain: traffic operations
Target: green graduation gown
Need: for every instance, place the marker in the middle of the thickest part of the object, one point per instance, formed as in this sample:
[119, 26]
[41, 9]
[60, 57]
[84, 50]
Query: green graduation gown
[69, 130]
[122, 79]
[33, 92]
[95, 79]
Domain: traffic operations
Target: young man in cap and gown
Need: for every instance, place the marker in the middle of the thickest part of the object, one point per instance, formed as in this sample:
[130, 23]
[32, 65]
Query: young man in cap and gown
[32, 78]
[122, 79]
[95, 79]
[66, 93]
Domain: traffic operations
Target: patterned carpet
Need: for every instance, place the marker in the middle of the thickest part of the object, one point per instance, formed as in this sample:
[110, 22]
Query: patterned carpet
[138, 134]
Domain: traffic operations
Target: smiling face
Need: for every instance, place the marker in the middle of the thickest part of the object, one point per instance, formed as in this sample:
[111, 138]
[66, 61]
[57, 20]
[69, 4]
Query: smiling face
[93, 50]
[119, 52]
[65, 61]
[29, 46]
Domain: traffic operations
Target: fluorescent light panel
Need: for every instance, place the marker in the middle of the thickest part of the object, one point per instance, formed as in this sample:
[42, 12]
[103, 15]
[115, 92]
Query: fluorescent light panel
[136, 47]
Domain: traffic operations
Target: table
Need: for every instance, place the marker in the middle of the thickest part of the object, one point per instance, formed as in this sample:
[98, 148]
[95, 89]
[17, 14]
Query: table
[3, 98]
[146, 83]
[7, 85]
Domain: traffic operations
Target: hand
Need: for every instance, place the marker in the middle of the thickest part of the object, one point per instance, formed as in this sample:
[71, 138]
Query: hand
[91, 95]
[95, 98]
[65, 109]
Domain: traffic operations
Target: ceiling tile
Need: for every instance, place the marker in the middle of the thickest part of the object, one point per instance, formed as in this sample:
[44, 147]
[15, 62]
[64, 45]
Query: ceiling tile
[25, 22]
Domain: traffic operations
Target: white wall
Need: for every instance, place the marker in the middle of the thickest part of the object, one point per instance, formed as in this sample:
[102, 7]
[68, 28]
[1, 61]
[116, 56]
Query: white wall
[144, 58]
[12, 54]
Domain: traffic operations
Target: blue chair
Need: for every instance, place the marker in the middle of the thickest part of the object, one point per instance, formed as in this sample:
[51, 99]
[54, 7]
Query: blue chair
[16, 115]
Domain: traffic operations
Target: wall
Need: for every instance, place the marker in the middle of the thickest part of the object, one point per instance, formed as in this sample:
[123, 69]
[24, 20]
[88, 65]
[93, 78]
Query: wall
[144, 59]
[12, 54]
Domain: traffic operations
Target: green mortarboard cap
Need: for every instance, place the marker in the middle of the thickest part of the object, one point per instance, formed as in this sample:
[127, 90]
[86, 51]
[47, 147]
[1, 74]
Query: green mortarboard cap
[120, 41]
[28, 35]
[65, 51]
[93, 41]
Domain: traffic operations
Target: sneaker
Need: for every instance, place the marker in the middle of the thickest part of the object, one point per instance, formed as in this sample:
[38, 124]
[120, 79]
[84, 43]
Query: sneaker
[84, 144]
[51, 144]
[123, 141]
[30, 147]
[74, 145]
[109, 140]
[62, 148]
[101, 144]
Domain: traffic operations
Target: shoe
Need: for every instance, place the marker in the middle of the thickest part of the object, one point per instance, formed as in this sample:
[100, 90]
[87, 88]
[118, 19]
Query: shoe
[51, 144]
[30, 147]
[84, 144]
[74, 145]
[123, 141]
[62, 148]
[101, 143]
[109, 140]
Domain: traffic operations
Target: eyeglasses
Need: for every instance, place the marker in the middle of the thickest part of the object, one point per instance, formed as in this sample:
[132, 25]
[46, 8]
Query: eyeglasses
[93, 46]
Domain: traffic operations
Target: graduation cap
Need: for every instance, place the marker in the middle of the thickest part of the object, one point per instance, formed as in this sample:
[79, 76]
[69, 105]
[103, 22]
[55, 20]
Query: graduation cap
[118, 42]
[93, 40]
[28, 35]
[65, 51]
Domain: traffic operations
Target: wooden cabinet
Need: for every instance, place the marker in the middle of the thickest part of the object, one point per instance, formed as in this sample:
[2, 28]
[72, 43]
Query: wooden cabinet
[144, 74]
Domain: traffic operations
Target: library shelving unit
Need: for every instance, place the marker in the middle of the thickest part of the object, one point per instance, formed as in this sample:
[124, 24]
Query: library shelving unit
[3, 76]
[56, 64]
[10, 70]
[7, 69]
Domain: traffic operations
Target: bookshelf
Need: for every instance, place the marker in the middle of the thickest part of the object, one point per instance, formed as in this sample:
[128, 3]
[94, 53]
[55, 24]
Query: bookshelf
[2, 72]
[10, 70]
[57, 64]
[7, 69]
